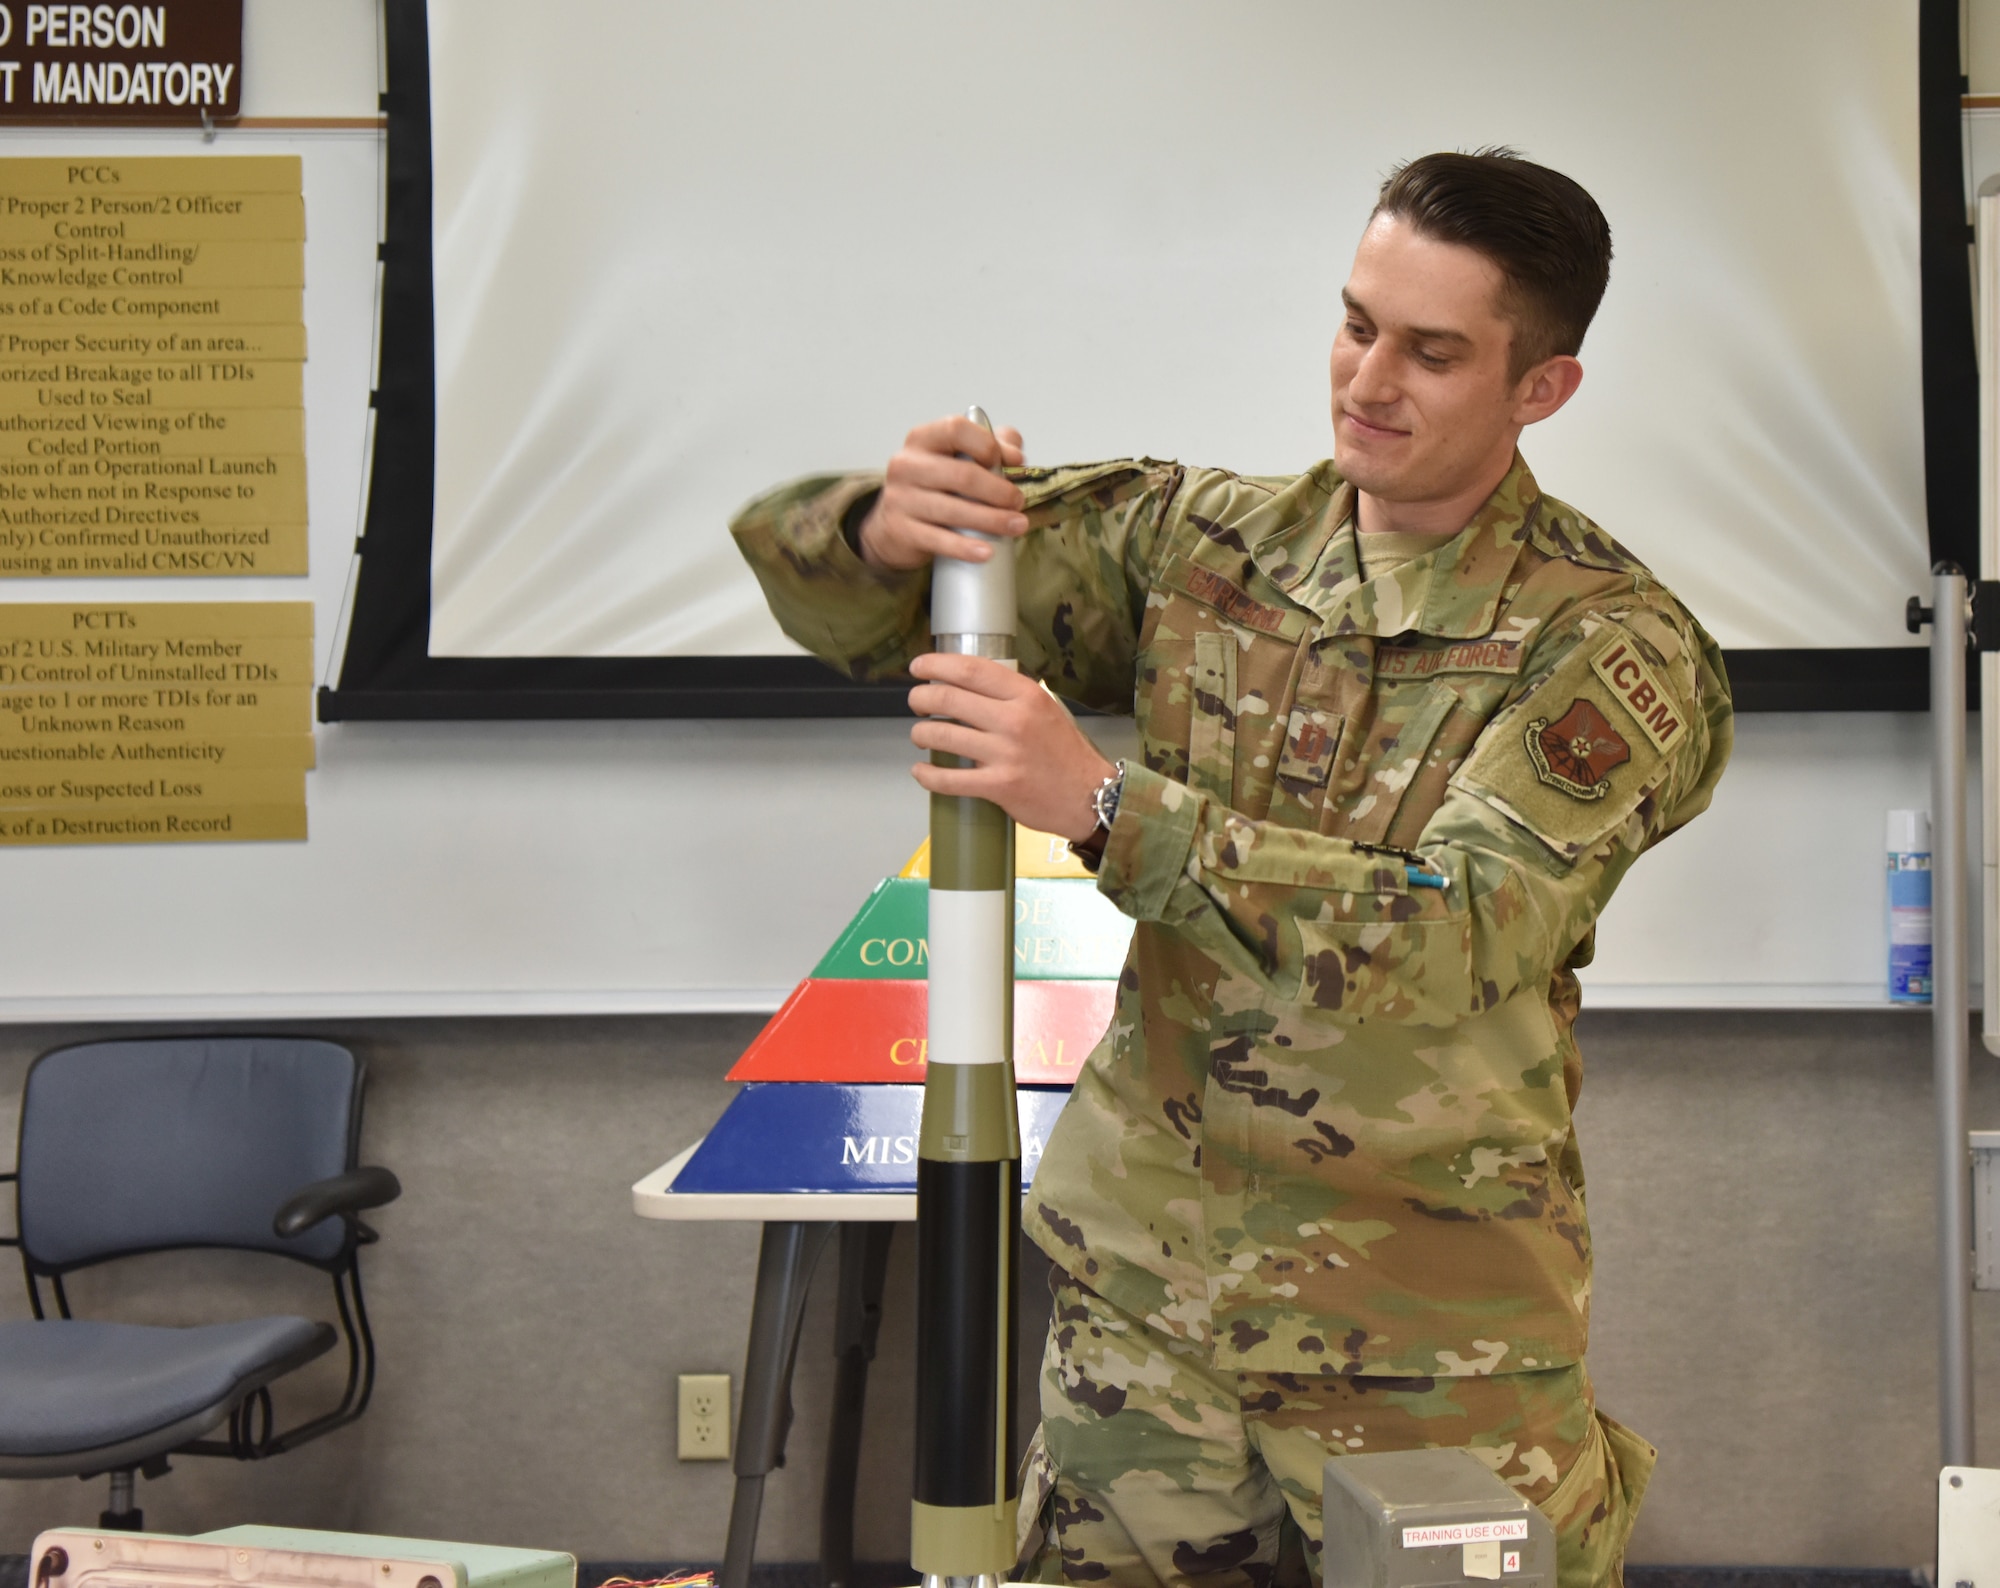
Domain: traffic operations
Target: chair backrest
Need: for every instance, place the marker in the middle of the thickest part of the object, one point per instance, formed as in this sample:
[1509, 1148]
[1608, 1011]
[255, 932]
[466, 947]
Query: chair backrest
[137, 1146]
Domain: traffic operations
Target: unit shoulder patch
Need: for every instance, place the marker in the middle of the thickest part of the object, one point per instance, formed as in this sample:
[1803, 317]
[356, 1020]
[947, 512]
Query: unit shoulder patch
[1577, 751]
[1635, 687]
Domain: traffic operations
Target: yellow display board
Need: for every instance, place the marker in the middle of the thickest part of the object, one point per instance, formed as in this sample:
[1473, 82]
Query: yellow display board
[1035, 855]
[154, 722]
[152, 348]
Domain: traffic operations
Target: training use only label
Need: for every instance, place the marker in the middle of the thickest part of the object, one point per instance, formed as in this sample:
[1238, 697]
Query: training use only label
[1464, 1533]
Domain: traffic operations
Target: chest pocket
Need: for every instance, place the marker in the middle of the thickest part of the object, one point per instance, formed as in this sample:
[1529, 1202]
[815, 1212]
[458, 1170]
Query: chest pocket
[1212, 725]
[1218, 673]
[1381, 759]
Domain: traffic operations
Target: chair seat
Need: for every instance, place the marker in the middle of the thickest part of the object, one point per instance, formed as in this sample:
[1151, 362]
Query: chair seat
[76, 1384]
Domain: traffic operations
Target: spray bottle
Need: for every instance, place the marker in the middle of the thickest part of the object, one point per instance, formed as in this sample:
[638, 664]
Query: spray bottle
[1909, 870]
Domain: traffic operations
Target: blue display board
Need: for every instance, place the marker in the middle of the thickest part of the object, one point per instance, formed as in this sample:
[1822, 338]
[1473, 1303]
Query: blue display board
[785, 1136]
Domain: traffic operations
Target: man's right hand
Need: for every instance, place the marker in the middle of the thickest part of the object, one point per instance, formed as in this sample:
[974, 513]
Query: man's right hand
[941, 482]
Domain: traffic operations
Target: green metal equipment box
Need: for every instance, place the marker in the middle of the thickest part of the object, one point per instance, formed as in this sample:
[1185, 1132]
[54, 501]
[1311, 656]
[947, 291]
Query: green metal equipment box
[285, 1557]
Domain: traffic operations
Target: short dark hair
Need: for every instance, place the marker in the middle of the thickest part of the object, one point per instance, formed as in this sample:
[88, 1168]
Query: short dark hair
[1544, 232]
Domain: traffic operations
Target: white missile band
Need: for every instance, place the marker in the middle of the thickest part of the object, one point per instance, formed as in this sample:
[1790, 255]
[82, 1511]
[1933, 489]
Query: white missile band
[975, 597]
[969, 948]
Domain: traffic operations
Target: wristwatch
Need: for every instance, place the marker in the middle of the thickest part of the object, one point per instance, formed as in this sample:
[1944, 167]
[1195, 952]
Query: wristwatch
[1104, 798]
[1104, 805]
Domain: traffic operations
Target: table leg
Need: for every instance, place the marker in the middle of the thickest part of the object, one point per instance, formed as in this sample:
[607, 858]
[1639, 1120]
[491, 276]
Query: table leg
[785, 1264]
[864, 1266]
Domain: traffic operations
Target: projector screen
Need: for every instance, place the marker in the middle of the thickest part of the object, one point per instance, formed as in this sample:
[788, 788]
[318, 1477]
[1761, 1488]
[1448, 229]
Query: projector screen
[677, 253]
[684, 251]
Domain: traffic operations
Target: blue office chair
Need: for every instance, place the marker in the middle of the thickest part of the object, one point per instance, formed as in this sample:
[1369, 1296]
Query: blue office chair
[171, 1143]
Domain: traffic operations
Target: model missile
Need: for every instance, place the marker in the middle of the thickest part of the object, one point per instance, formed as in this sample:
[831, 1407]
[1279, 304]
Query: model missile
[969, 1144]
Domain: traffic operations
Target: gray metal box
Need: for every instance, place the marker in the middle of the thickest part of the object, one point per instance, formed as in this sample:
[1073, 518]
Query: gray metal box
[1985, 1145]
[1430, 1519]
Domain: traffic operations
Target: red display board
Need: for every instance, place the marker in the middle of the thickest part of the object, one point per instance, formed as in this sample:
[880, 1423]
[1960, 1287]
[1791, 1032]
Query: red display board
[861, 1031]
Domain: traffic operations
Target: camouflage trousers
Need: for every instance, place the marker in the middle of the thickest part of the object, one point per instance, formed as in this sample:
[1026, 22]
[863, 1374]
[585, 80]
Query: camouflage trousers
[1151, 1466]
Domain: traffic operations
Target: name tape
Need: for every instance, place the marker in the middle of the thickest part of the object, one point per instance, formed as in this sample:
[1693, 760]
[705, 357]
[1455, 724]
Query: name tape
[1210, 587]
[1465, 1533]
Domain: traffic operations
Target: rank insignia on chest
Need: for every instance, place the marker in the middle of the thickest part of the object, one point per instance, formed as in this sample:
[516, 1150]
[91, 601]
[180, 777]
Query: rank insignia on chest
[1313, 742]
[1577, 752]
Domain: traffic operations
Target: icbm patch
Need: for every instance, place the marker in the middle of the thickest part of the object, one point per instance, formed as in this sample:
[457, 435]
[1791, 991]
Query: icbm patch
[1577, 752]
[1641, 693]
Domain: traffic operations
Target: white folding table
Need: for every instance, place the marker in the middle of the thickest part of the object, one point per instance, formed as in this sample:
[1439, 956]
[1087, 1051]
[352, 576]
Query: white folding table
[797, 1227]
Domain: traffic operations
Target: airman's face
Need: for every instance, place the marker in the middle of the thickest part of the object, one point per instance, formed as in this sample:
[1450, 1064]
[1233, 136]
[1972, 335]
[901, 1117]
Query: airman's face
[1423, 404]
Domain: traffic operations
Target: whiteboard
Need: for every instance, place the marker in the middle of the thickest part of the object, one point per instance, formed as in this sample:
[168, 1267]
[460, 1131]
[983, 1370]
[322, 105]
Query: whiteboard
[602, 867]
[683, 252]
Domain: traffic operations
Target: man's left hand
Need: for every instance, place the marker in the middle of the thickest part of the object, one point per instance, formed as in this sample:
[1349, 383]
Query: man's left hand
[1030, 758]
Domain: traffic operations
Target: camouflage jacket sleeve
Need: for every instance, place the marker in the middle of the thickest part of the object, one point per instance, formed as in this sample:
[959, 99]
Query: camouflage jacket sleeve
[1081, 575]
[1560, 793]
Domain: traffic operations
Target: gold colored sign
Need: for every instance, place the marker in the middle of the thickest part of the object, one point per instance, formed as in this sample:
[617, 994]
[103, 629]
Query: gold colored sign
[201, 490]
[33, 547]
[185, 263]
[152, 305]
[36, 223]
[203, 432]
[154, 722]
[117, 179]
[133, 368]
[238, 341]
[125, 789]
[156, 619]
[189, 710]
[128, 383]
[79, 663]
[260, 751]
[169, 824]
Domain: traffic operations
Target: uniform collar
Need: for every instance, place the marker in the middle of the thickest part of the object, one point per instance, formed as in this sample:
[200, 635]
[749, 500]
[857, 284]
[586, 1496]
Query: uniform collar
[1452, 592]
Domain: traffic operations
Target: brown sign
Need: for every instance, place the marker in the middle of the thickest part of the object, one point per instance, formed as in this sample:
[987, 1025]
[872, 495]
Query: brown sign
[172, 63]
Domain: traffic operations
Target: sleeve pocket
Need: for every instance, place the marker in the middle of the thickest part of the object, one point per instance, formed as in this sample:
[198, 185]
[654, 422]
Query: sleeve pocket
[1573, 759]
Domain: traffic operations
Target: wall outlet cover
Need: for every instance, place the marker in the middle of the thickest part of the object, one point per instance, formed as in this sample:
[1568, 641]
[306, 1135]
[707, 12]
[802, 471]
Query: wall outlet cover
[704, 1417]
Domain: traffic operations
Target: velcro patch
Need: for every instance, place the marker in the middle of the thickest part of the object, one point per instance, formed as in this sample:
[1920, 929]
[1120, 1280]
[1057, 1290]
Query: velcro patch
[1311, 737]
[1634, 686]
[1577, 752]
[1468, 656]
[1205, 585]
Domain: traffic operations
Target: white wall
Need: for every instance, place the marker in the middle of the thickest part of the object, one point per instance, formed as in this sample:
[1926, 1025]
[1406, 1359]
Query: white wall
[1775, 897]
[660, 866]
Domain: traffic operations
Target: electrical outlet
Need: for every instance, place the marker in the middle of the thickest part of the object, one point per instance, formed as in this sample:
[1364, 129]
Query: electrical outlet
[704, 1417]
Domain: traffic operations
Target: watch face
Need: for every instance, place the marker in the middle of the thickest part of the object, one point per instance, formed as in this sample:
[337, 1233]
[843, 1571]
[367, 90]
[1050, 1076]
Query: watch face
[1104, 798]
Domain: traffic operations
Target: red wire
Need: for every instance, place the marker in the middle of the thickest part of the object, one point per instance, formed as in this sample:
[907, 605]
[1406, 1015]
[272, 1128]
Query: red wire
[679, 1579]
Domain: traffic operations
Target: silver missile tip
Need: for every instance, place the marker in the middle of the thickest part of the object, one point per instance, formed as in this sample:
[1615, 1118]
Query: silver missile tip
[977, 415]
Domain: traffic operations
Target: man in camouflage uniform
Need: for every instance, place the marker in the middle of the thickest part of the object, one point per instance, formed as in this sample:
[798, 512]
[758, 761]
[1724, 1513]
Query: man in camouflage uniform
[1405, 723]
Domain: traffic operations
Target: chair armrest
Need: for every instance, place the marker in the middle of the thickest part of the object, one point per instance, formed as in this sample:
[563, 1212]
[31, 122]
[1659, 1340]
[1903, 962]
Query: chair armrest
[345, 1193]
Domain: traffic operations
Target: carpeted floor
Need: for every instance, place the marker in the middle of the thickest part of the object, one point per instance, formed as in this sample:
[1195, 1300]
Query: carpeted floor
[805, 1574]
[1769, 1577]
